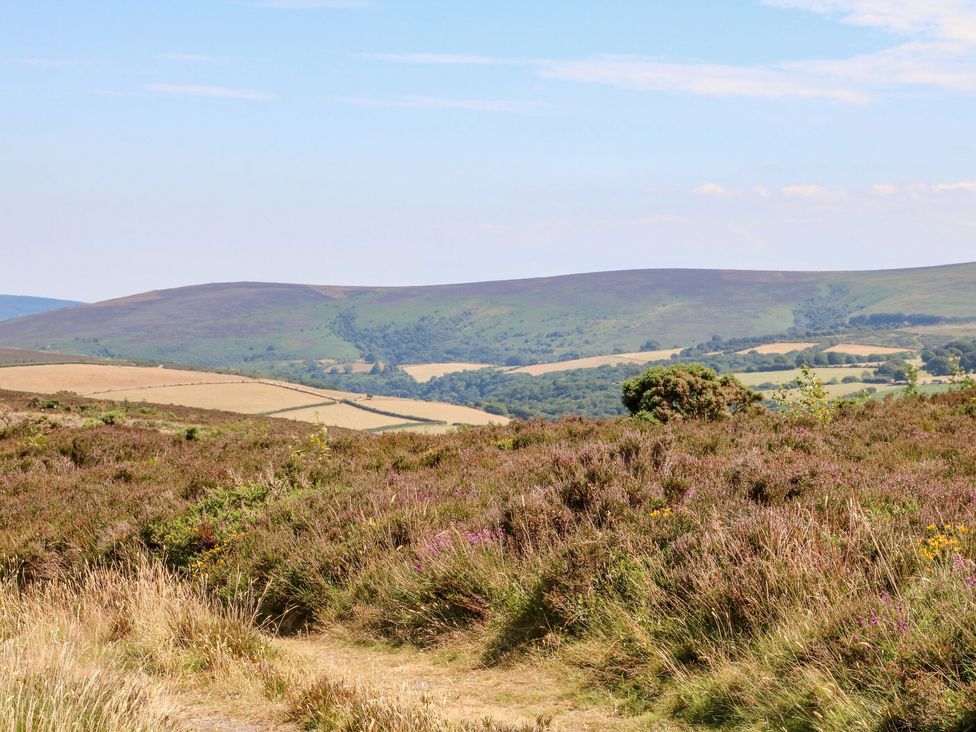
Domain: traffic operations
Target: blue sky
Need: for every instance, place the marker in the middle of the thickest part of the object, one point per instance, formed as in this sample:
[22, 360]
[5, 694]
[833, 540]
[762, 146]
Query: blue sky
[147, 145]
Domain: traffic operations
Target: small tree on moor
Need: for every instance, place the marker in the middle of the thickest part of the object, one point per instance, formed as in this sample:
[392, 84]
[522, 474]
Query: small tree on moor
[685, 391]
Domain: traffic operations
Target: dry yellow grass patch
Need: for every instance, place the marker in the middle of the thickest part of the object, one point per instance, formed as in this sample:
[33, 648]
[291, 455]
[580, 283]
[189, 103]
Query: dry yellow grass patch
[424, 372]
[96, 378]
[244, 397]
[344, 415]
[451, 413]
[778, 348]
[593, 362]
[230, 393]
[860, 349]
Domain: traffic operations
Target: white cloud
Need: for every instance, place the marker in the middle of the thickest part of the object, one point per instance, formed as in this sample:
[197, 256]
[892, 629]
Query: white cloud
[884, 189]
[948, 19]
[712, 189]
[209, 91]
[965, 185]
[472, 105]
[940, 52]
[944, 64]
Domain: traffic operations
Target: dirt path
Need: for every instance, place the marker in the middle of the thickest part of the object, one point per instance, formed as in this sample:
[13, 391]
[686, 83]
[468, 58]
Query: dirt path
[460, 690]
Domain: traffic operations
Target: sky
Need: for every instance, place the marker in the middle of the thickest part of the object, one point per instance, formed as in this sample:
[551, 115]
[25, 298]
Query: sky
[146, 145]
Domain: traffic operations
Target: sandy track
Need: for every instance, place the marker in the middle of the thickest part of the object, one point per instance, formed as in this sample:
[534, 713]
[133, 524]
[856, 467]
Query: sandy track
[460, 691]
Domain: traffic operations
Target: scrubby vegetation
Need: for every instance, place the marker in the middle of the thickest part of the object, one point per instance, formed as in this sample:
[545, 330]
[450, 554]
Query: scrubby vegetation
[761, 572]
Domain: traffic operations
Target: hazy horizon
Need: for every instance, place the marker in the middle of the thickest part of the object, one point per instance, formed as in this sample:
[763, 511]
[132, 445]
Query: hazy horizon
[380, 142]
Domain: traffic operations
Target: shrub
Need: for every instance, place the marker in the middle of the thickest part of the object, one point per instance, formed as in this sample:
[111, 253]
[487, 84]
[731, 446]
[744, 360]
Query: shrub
[687, 391]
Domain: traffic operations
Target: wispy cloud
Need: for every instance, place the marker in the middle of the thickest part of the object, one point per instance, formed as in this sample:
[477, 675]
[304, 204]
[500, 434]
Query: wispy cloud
[221, 92]
[809, 191]
[940, 52]
[949, 19]
[711, 189]
[703, 79]
[472, 105]
[965, 185]
[194, 58]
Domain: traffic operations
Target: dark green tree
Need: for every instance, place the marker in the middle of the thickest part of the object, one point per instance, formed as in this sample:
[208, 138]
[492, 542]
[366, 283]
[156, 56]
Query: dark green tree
[685, 391]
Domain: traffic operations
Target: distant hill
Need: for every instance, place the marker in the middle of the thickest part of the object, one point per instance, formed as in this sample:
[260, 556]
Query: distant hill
[14, 306]
[243, 325]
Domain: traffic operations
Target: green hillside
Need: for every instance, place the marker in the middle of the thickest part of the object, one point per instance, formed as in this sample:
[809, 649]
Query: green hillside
[244, 325]
[15, 306]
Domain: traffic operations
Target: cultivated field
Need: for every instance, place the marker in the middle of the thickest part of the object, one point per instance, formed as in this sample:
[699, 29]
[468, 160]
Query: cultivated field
[778, 348]
[241, 394]
[827, 373]
[424, 372]
[860, 349]
[593, 362]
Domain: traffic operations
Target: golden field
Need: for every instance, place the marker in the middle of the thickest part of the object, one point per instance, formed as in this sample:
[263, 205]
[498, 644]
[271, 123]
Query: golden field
[242, 394]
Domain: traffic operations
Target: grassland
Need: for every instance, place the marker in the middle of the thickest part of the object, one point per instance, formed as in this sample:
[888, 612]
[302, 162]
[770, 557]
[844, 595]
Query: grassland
[862, 349]
[638, 357]
[424, 372]
[240, 394]
[519, 322]
[779, 347]
[764, 572]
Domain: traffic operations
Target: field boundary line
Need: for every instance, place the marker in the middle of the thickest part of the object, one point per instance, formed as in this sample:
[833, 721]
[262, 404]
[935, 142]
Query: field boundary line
[383, 412]
[330, 403]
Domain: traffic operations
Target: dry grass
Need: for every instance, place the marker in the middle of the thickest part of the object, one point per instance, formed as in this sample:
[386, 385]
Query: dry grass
[344, 415]
[778, 348]
[450, 413]
[232, 393]
[861, 349]
[424, 372]
[638, 357]
[97, 378]
[103, 651]
[241, 397]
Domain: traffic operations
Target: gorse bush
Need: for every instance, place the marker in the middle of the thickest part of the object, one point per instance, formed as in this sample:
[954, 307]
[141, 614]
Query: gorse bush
[687, 391]
[757, 572]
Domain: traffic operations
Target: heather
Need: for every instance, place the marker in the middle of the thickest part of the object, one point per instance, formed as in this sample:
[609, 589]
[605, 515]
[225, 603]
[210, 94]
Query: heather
[763, 571]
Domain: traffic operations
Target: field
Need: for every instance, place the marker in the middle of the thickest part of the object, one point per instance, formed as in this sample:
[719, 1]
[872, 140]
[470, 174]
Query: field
[637, 357]
[763, 572]
[424, 372]
[240, 394]
[252, 326]
[860, 349]
[781, 347]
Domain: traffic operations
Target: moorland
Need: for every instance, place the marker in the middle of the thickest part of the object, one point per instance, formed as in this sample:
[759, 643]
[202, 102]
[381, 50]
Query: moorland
[766, 571]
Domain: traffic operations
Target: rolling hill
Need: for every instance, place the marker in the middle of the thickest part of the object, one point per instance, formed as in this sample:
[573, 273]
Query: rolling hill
[15, 306]
[244, 325]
